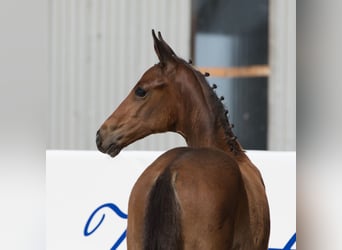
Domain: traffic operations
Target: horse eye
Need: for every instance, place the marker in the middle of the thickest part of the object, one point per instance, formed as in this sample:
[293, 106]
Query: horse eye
[140, 92]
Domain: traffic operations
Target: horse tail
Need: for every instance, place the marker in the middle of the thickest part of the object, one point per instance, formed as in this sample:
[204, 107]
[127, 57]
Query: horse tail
[162, 218]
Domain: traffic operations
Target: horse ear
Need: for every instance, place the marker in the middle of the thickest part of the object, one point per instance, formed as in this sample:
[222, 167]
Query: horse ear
[166, 45]
[163, 50]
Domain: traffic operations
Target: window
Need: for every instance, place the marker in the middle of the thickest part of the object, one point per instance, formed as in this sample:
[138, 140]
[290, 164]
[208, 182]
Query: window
[230, 40]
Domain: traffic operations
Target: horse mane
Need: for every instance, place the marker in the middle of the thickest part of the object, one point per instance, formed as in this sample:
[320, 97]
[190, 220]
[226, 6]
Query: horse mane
[217, 105]
[164, 51]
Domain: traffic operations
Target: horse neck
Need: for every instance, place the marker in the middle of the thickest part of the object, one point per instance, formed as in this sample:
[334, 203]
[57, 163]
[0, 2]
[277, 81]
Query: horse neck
[202, 126]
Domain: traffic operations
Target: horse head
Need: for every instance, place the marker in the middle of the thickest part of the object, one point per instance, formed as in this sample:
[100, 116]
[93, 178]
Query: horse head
[151, 107]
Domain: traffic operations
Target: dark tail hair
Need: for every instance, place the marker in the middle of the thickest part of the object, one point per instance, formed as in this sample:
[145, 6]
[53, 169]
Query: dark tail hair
[162, 219]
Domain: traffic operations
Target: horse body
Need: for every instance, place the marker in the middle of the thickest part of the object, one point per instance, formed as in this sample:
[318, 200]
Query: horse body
[208, 189]
[205, 196]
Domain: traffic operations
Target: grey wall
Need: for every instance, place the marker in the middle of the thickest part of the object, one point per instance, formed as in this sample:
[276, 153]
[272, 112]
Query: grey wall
[282, 81]
[98, 51]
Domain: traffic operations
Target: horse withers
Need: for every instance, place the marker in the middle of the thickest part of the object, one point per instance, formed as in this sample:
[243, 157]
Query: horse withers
[208, 195]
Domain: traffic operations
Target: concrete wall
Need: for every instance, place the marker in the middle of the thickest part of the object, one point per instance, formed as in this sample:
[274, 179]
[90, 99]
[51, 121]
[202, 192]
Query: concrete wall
[282, 81]
[98, 51]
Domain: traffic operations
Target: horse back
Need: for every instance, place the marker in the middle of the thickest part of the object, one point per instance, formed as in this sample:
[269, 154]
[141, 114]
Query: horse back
[203, 188]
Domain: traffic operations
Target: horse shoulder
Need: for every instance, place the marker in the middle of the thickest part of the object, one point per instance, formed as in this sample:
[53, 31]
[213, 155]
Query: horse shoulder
[209, 187]
[257, 203]
[139, 196]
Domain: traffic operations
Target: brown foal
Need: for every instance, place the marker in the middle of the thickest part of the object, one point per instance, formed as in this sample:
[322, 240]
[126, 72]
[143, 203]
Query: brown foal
[208, 195]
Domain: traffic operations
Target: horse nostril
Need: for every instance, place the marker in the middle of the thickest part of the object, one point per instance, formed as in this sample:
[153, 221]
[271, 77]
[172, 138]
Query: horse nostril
[98, 138]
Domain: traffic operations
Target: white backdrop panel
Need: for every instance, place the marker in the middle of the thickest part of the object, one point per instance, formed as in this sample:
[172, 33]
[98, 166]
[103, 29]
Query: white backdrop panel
[79, 182]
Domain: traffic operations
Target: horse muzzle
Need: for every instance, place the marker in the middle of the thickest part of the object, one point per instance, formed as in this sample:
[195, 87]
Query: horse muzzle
[110, 146]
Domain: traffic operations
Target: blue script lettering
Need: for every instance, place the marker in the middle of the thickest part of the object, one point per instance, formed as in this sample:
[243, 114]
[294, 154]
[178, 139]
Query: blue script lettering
[116, 210]
[121, 214]
[288, 245]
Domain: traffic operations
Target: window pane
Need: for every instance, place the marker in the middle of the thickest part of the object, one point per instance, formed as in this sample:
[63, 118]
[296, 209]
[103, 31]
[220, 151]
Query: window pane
[230, 34]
